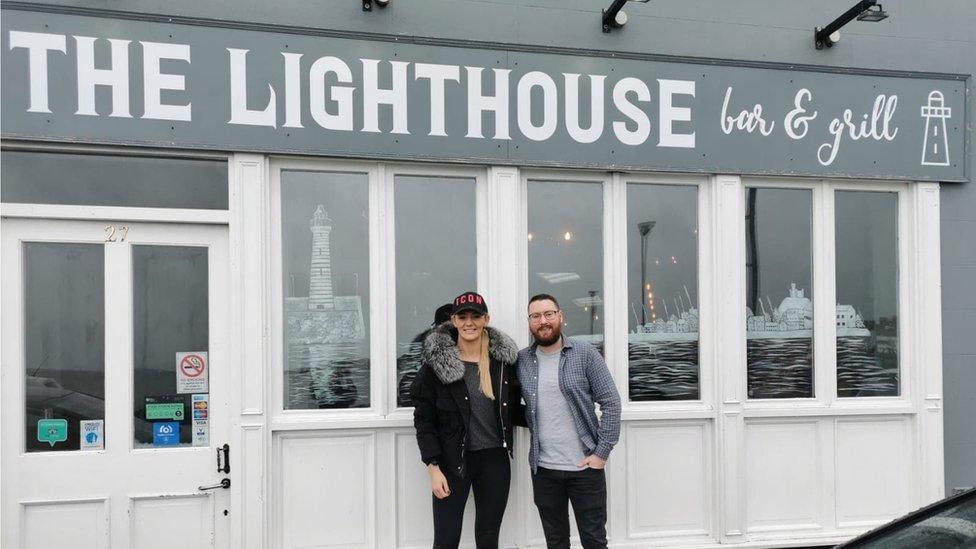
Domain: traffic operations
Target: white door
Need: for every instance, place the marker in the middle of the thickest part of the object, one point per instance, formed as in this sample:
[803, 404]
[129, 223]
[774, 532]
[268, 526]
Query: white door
[115, 385]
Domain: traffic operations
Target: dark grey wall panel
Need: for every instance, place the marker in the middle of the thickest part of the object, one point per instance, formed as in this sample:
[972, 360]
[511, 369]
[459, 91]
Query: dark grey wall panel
[653, 113]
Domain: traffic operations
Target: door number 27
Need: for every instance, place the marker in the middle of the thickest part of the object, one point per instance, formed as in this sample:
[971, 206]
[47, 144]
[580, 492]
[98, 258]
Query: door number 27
[113, 234]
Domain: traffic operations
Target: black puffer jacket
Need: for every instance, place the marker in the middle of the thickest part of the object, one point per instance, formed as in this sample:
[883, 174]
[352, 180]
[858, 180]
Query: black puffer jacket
[442, 413]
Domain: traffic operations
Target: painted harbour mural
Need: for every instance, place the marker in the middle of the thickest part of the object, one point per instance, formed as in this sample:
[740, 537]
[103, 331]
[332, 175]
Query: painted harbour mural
[664, 355]
[328, 365]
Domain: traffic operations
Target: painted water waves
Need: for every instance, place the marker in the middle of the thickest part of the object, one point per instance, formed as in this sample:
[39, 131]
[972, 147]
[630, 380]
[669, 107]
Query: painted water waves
[868, 366]
[408, 363]
[327, 355]
[664, 370]
[780, 368]
[339, 378]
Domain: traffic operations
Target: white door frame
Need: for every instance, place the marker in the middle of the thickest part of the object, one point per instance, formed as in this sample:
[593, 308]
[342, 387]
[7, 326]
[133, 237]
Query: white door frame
[129, 468]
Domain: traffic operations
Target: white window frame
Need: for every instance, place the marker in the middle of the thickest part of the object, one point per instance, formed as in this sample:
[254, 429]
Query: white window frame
[283, 419]
[705, 406]
[818, 248]
[615, 284]
[825, 399]
[565, 176]
[391, 171]
[383, 410]
[920, 353]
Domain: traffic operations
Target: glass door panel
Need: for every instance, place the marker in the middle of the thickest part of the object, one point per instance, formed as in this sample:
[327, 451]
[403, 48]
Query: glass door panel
[64, 324]
[170, 326]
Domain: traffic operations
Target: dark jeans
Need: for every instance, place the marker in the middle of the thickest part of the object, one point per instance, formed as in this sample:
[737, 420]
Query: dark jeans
[587, 490]
[489, 473]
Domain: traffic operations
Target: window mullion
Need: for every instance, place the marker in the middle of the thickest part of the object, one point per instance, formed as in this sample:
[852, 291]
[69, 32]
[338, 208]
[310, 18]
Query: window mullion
[707, 306]
[382, 280]
[615, 282]
[824, 284]
[501, 250]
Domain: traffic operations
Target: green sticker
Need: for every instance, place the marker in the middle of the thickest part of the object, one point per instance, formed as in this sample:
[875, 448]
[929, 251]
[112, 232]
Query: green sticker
[165, 410]
[52, 431]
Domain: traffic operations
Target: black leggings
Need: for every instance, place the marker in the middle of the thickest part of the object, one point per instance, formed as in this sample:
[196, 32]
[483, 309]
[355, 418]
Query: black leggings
[490, 474]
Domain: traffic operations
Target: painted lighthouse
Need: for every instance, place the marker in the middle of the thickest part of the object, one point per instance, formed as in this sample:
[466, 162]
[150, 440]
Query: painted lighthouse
[320, 277]
[935, 149]
[325, 334]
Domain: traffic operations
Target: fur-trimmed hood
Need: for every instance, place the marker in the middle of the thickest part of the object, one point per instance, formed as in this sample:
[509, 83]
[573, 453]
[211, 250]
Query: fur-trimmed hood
[440, 351]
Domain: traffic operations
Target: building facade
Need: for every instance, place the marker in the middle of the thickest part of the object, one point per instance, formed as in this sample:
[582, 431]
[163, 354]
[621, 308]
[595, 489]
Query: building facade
[225, 227]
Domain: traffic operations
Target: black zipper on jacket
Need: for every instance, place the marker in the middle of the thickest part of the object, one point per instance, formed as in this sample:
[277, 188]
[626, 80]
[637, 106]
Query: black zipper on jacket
[501, 403]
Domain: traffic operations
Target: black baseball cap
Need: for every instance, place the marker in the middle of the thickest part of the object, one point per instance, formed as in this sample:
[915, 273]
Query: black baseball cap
[470, 301]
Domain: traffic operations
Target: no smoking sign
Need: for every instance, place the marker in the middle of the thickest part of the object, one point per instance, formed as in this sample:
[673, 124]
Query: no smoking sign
[192, 372]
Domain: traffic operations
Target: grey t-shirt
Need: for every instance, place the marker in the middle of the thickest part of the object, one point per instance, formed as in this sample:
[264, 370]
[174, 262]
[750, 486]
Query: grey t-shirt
[483, 432]
[560, 447]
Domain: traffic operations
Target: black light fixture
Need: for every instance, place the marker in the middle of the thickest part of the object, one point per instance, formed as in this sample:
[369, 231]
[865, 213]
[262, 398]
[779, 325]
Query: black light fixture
[865, 10]
[873, 14]
[368, 4]
[614, 17]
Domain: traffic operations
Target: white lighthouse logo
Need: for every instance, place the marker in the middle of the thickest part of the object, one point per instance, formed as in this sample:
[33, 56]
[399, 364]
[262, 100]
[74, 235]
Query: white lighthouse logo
[935, 149]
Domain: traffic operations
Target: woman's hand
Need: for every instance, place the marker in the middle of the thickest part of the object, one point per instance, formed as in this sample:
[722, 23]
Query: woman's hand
[438, 482]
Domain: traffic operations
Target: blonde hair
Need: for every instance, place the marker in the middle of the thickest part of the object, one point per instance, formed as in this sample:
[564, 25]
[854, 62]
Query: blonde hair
[483, 363]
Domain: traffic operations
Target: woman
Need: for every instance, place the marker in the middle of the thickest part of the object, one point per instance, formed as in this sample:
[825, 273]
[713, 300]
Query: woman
[466, 400]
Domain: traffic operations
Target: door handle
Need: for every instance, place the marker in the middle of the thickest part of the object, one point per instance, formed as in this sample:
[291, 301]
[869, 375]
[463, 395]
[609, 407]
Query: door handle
[224, 483]
[225, 467]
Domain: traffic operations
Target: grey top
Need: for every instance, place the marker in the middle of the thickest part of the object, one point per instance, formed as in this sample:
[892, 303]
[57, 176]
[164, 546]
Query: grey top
[560, 447]
[586, 382]
[483, 431]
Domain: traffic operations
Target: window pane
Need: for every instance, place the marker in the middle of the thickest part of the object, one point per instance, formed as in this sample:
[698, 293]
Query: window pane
[867, 293]
[65, 342]
[779, 293]
[105, 180]
[566, 252]
[662, 260]
[325, 273]
[170, 318]
[435, 260]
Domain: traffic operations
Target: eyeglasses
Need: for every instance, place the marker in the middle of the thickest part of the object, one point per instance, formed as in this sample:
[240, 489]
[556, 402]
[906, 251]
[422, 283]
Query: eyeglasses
[549, 315]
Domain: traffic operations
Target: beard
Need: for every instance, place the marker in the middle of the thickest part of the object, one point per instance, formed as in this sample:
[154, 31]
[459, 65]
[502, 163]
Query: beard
[554, 334]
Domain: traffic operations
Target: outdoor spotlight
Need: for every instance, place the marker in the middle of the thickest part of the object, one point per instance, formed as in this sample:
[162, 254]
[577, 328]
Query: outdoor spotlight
[614, 17]
[865, 10]
[368, 4]
[620, 19]
[873, 14]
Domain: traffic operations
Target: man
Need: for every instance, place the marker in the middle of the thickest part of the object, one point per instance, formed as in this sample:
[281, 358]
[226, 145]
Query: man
[561, 380]
[409, 362]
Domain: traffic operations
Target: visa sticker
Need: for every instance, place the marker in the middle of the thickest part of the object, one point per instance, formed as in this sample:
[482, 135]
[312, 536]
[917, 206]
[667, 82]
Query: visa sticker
[201, 432]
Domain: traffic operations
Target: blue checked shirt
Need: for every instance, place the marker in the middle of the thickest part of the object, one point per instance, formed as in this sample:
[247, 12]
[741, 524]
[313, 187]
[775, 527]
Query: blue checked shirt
[584, 379]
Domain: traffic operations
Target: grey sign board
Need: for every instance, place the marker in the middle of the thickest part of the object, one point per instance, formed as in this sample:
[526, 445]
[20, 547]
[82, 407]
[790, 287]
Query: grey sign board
[76, 78]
